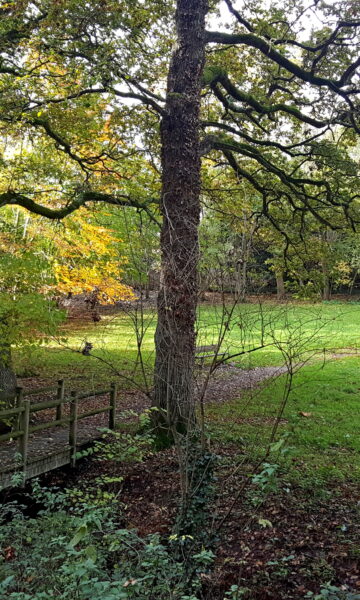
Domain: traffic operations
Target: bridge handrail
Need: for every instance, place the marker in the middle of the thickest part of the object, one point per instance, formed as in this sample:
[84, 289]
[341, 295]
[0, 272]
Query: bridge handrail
[22, 427]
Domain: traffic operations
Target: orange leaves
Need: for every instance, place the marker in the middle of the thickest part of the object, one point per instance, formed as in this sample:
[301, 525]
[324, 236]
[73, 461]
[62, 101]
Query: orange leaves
[81, 239]
[78, 257]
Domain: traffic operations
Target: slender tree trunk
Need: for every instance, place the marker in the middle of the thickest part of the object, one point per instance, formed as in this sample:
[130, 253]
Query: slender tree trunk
[280, 287]
[326, 283]
[240, 279]
[242, 263]
[329, 238]
[177, 300]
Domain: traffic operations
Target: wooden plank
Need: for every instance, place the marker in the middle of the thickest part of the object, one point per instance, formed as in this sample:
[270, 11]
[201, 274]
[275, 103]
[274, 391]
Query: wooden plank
[38, 466]
[209, 348]
[91, 413]
[93, 394]
[11, 411]
[50, 388]
[38, 406]
[24, 439]
[19, 403]
[12, 435]
[210, 355]
[49, 425]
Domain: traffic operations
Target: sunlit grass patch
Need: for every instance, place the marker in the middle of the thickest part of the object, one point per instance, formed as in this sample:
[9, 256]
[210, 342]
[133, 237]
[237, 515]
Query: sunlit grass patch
[304, 329]
[321, 417]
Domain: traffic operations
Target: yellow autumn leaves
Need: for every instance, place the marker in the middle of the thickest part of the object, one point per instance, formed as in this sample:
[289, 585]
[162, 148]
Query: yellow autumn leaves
[88, 262]
[77, 257]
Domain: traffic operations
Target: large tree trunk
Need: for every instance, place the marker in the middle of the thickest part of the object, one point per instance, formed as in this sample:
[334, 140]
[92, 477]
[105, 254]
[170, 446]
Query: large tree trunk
[7, 381]
[7, 375]
[177, 300]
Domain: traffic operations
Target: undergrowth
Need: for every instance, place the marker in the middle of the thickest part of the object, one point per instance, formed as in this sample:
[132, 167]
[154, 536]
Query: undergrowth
[83, 553]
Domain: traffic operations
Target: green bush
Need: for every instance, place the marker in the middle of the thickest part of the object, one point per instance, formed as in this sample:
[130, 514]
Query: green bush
[81, 553]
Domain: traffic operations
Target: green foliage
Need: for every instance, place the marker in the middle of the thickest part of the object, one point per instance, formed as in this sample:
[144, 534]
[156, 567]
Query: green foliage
[81, 552]
[194, 510]
[266, 480]
[26, 309]
[211, 73]
[28, 317]
[115, 447]
[119, 446]
[333, 592]
[236, 592]
[320, 415]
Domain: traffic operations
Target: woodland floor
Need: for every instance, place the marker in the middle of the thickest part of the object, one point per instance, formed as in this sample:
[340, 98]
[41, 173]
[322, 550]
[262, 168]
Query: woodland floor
[278, 547]
[309, 538]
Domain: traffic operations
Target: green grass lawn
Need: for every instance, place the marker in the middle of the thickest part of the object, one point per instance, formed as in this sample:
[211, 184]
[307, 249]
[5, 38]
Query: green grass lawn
[321, 423]
[323, 444]
[298, 329]
[295, 329]
[114, 351]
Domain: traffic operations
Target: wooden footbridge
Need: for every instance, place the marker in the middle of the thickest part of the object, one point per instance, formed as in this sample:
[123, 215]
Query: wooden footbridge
[29, 451]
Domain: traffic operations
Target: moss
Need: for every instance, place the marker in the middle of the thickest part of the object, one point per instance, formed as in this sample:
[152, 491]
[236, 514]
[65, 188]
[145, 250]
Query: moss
[211, 73]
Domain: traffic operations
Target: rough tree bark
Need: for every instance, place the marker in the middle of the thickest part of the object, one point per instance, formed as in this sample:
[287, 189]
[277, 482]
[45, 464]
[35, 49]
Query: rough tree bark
[7, 381]
[7, 375]
[280, 286]
[180, 204]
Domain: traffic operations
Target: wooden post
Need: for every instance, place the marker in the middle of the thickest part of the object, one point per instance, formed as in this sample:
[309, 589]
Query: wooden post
[112, 412]
[24, 438]
[19, 394]
[60, 396]
[73, 427]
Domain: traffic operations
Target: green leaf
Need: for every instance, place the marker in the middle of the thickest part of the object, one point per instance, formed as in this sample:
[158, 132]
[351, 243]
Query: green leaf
[79, 535]
[91, 553]
[265, 523]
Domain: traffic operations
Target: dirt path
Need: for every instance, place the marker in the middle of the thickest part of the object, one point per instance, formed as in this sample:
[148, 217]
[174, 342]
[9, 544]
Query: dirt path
[227, 383]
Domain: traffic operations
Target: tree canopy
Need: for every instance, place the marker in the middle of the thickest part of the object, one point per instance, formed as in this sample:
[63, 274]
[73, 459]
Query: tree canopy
[82, 85]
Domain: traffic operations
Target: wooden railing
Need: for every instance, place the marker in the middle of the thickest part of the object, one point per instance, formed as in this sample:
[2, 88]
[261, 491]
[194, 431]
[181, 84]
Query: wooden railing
[20, 416]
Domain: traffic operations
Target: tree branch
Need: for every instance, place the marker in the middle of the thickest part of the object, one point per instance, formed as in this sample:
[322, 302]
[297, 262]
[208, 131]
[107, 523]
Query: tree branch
[249, 39]
[261, 108]
[14, 198]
